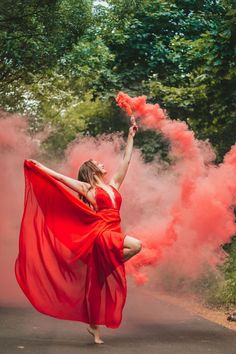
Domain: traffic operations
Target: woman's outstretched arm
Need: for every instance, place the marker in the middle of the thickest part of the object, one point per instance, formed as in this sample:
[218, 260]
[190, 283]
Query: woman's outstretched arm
[78, 186]
[119, 175]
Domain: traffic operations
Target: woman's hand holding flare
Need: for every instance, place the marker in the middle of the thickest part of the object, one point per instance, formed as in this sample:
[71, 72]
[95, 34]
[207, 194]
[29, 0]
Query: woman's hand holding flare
[134, 128]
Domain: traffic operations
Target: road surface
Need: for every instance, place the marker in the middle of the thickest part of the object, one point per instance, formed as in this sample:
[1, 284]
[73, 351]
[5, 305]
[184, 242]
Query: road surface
[149, 326]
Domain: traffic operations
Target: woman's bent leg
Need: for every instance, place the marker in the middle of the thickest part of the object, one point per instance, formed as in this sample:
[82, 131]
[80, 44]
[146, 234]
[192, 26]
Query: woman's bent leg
[132, 246]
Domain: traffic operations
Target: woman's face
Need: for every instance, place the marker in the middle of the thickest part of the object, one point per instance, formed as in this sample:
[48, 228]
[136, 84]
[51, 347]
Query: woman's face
[100, 166]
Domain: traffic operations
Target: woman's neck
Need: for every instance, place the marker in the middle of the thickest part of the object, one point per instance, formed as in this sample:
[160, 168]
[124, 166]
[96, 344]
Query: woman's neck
[99, 180]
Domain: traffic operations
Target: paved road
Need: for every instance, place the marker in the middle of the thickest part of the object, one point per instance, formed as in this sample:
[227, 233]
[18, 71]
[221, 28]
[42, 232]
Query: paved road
[150, 326]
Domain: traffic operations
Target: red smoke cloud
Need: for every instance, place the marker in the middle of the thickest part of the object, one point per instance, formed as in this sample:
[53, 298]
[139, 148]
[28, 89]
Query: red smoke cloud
[182, 214]
[15, 145]
[199, 218]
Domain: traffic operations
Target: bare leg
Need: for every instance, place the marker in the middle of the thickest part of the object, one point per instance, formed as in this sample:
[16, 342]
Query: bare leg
[94, 331]
[132, 246]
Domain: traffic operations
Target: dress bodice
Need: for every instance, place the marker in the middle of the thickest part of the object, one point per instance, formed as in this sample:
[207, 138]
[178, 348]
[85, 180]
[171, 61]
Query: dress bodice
[104, 200]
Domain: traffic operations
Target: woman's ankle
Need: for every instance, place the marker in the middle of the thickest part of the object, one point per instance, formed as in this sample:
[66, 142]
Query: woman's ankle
[93, 326]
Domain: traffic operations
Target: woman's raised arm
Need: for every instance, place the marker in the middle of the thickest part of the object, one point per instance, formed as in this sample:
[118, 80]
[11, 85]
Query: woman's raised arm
[77, 186]
[119, 175]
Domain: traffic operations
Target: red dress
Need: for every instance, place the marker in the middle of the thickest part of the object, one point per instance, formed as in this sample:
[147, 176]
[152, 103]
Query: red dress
[70, 263]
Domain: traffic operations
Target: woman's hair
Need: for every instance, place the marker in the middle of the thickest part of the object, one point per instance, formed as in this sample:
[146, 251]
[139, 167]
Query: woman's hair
[86, 173]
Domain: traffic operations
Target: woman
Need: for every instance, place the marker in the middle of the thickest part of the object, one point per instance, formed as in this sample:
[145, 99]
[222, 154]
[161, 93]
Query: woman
[71, 254]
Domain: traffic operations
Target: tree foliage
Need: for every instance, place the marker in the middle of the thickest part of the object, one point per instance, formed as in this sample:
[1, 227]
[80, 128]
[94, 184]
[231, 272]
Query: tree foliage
[34, 35]
[58, 54]
[181, 54]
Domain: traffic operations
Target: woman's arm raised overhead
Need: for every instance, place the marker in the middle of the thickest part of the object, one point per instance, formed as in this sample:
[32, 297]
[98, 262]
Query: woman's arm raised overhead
[119, 175]
[77, 186]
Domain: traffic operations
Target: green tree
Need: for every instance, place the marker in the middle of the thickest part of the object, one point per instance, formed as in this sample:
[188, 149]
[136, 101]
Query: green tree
[34, 35]
[181, 54]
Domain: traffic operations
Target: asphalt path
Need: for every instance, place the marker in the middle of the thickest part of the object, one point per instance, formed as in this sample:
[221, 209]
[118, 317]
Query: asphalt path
[149, 326]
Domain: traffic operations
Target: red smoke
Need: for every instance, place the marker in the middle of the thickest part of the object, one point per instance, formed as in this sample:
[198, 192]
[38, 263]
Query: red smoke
[15, 145]
[200, 218]
[182, 214]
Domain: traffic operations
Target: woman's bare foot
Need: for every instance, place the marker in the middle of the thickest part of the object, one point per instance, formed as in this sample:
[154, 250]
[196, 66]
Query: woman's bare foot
[94, 331]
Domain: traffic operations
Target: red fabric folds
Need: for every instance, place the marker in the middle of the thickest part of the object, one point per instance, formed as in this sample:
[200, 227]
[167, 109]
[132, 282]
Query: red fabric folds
[70, 263]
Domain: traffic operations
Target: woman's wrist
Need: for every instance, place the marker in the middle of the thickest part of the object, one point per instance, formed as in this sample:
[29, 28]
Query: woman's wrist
[133, 130]
[38, 164]
[34, 162]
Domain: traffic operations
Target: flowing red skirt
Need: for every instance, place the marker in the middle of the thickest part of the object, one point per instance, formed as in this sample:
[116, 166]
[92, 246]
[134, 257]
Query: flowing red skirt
[70, 263]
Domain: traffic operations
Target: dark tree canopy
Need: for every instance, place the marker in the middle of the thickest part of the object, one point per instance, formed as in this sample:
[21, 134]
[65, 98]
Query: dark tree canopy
[65, 60]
